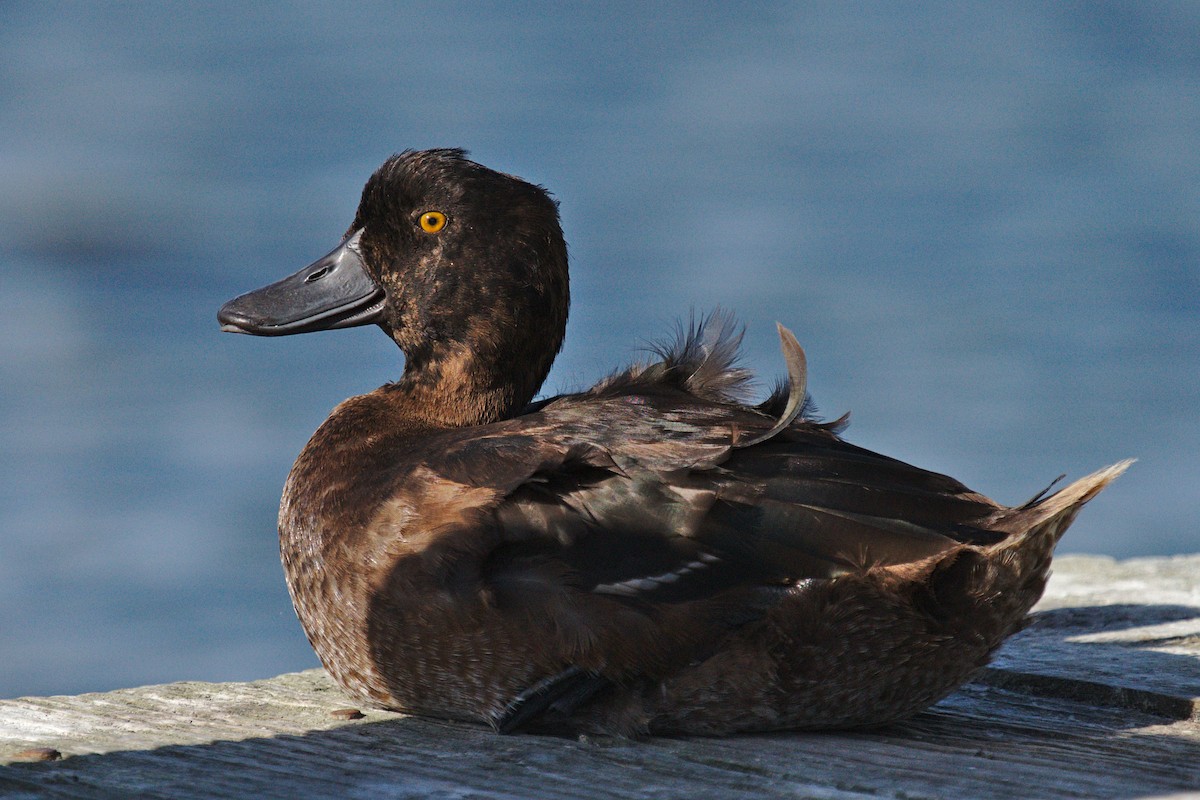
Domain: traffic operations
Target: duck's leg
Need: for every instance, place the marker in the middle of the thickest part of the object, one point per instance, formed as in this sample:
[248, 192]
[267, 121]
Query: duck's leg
[559, 694]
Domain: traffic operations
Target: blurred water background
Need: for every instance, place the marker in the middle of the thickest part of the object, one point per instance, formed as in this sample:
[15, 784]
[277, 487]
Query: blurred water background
[982, 220]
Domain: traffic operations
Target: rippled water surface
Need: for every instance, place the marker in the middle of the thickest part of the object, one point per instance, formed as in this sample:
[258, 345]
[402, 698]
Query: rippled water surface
[980, 220]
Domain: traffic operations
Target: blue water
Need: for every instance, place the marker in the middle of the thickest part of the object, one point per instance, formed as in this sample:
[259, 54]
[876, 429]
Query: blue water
[982, 221]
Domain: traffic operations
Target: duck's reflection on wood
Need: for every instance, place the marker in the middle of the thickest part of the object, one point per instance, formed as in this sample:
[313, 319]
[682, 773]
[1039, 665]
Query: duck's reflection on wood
[652, 555]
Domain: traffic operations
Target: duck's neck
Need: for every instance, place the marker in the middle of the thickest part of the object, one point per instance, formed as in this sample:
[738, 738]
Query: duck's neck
[458, 386]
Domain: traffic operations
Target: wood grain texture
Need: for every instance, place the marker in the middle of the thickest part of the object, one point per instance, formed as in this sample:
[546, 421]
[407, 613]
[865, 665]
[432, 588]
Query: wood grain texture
[1098, 698]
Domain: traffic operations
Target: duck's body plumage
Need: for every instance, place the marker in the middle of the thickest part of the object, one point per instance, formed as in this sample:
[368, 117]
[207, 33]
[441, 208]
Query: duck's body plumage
[650, 555]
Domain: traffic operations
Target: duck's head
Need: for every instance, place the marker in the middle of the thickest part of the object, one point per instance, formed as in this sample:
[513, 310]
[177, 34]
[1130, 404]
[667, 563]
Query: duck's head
[464, 267]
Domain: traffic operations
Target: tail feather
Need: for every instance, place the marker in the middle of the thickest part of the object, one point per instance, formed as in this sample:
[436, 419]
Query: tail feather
[1060, 507]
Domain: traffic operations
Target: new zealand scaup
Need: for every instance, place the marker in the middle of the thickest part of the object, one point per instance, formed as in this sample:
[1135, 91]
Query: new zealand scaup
[651, 555]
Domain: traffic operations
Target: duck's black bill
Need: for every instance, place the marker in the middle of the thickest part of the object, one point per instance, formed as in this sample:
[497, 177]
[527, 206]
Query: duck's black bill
[333, 292]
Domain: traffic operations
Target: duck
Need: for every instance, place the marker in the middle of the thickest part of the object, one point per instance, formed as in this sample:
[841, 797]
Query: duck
[656, 555]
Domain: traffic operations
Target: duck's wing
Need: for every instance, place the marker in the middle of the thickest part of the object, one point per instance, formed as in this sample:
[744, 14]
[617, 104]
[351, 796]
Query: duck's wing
[685, 511]
[651, 493]
[644, 491]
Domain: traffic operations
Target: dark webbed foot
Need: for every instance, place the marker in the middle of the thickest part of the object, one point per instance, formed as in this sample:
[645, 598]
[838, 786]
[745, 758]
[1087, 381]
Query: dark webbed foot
[556, 696]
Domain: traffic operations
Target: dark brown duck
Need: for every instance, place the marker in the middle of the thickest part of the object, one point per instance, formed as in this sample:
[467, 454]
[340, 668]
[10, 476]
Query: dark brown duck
[652, 555]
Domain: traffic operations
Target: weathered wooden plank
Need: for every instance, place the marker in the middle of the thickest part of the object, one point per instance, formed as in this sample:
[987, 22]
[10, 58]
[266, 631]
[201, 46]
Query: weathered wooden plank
[279, 738]
[1124, 633]
[984, 742]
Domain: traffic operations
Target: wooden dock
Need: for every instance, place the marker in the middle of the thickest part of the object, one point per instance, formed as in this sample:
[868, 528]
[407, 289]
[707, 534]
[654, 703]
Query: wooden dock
[1100, 697]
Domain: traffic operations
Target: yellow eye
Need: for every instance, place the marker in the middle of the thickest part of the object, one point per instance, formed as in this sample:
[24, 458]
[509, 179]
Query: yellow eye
[433, 221]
